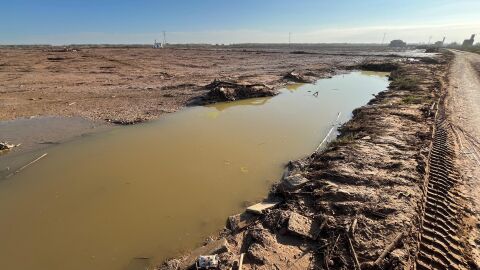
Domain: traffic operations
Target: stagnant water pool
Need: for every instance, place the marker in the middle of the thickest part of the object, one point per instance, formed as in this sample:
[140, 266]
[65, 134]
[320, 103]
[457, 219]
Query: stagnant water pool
[153, 190]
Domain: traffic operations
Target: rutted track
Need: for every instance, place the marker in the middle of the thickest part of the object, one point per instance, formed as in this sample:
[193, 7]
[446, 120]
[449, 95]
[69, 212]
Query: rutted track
[440, 246]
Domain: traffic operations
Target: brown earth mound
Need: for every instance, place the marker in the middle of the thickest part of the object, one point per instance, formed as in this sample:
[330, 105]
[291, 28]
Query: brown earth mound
[229, 91]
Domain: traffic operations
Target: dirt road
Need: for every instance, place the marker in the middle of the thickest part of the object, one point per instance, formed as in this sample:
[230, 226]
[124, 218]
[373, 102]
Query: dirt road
[464, 113]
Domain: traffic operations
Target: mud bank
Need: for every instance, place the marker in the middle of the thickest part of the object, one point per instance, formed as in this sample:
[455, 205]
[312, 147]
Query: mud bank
[127, 85]
[357, 203]
[36, 133]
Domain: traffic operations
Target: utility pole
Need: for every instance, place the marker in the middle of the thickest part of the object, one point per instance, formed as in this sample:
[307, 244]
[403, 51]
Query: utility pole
[164, 39]
[289, 38]
[383, 39]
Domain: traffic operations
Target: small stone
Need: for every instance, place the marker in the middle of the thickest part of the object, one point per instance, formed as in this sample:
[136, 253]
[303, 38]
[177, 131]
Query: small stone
[295, 181]
[303, 226]
[240, 221]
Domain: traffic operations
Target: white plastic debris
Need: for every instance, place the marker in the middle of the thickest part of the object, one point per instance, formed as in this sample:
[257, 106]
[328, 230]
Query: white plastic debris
[7, 146]
[207, 262]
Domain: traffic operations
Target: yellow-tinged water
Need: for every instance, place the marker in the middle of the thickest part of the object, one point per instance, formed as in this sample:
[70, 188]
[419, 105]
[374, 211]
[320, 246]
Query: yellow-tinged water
[155, 189]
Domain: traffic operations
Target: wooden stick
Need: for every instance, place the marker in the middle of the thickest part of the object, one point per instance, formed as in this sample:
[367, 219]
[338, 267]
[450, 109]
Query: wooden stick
[329, 132]
[389, 249]
[352, 229]
[28, 164]
[354, 254]
[324, 139]
[338, 116]
[324, 223]
[240, 261]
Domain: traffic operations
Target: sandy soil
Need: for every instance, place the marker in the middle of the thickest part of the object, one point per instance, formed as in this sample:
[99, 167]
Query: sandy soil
[363, 192]
[135, 84]
[464, 114]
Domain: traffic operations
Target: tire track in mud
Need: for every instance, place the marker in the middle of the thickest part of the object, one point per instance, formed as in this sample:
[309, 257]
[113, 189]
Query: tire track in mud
[439, 244]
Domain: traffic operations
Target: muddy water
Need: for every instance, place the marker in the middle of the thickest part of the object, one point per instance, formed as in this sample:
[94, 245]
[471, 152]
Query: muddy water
[155, 189]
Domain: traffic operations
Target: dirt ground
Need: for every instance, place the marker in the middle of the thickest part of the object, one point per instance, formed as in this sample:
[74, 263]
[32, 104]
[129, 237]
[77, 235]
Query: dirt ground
[136, 84]
[464, 113]
[361, 204]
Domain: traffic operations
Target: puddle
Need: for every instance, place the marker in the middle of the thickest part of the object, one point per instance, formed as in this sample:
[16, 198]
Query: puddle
[40, 132]
[155, 189]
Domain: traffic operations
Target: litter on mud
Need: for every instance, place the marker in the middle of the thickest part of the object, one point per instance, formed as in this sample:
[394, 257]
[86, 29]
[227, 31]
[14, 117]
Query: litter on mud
[7, 146]
[261, 207]
[231, 91]
[211, 248]
[207, 262]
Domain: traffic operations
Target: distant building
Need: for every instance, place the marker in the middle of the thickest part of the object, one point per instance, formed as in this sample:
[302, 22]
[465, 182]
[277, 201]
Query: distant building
[397, 43]
[469, 42]
[157, 45]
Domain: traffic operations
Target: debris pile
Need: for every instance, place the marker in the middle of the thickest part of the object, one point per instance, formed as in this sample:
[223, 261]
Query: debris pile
[7, 146]
[207, 262]
[230, 91]
[293, 76]
[379, 66]
[125, 122]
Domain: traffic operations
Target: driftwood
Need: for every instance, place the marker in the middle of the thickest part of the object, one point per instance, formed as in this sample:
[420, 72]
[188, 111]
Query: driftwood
[352, 229]
[240, 261]
[354, 254]
[329, 252]
[28, 164]
[388, 249]
[329, 132]
[350, 235]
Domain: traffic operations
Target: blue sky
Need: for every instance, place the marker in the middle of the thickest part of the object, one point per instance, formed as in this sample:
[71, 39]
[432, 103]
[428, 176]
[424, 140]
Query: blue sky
[217, 21]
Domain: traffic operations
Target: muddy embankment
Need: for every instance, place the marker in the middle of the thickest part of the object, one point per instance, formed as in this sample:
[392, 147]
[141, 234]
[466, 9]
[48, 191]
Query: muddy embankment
[127, 85]
[130, 85]
[357, 203]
